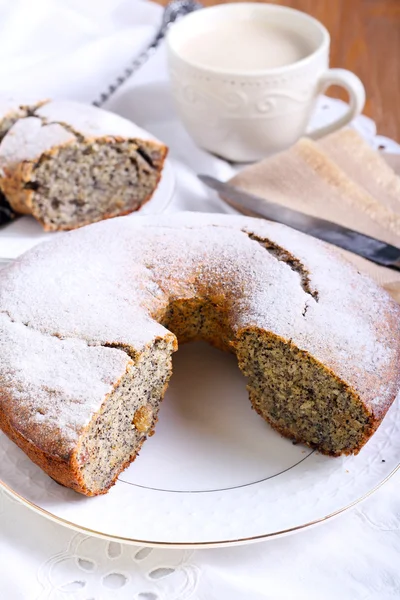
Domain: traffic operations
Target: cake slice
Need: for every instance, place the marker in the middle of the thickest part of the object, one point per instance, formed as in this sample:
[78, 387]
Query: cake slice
[70, 164]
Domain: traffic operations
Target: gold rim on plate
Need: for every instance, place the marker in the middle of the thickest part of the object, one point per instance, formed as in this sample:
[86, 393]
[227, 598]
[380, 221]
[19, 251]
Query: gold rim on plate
[183, 545]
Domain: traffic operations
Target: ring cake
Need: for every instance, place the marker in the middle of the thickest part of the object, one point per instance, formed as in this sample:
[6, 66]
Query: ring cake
[89, 321]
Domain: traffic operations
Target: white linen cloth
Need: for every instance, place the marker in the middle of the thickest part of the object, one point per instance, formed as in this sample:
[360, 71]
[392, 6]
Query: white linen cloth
[74, 49]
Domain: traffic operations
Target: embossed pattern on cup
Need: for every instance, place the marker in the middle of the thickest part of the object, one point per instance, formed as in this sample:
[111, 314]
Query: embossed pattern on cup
[244, 116]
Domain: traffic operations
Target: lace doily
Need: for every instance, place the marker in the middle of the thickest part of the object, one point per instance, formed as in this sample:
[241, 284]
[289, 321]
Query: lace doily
[90, 568]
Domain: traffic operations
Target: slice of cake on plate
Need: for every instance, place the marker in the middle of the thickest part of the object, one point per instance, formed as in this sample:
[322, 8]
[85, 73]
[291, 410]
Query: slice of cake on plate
[70, 164]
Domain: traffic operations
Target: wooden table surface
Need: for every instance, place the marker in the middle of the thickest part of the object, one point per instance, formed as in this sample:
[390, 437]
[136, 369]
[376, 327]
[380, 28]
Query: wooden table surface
[366, 40]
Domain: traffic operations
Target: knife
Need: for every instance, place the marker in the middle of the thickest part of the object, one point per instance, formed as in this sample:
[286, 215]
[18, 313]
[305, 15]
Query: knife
[368, 247]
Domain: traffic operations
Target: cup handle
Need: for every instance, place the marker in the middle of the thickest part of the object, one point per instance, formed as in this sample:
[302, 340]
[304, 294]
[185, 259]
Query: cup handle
[354, 87]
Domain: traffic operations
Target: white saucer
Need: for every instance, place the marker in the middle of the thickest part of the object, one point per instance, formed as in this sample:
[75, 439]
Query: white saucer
[214, 473]
[25, 232]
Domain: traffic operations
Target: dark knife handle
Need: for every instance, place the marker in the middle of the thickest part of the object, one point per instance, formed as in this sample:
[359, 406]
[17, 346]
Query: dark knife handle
[395, 265]
[7, 214]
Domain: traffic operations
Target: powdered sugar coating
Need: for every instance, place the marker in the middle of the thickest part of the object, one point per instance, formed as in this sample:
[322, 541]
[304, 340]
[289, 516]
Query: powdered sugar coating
[104, 284]
[91, 122]
[59, 383]
[28, 138]
[16, 107]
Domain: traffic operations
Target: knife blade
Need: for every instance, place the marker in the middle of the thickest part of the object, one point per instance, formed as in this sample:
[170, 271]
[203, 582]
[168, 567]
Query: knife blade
[366, 246]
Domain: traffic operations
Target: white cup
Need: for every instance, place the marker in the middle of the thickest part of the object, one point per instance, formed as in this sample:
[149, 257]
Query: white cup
[246, 115]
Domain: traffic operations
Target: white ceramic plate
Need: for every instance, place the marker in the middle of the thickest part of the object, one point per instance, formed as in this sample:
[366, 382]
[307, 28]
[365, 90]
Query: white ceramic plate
[24, 233]
[214, 473]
